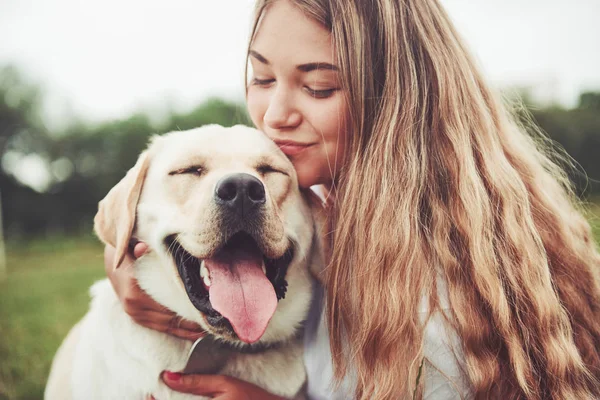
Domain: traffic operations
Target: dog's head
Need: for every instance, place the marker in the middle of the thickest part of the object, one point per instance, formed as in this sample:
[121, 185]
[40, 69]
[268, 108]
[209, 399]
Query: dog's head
[232, 237]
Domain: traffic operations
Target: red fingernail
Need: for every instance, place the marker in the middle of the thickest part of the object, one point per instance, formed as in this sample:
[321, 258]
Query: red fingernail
[172, 376]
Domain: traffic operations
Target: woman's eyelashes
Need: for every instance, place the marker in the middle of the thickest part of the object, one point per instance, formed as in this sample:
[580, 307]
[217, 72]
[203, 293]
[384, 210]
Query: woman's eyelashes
[316, 93]
[320, 93]
[262, 82]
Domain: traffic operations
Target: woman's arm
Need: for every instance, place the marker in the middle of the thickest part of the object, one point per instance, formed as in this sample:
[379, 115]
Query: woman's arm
[139, 305]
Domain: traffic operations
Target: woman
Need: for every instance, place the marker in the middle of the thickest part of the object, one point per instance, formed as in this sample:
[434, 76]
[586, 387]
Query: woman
[460, 266]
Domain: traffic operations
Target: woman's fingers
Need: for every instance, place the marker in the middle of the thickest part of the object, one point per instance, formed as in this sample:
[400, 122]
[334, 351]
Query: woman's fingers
[167, 322]
[203, 385]
[140, 249]
[188, 325]
[135, 300]
[219, 387]
[187, 335]
[170, 323]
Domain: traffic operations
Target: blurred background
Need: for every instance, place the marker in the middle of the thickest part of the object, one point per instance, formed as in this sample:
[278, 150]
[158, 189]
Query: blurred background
[83, 85]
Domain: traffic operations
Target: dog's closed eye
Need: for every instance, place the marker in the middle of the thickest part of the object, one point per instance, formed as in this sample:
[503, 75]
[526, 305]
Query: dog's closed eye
[264, 169]
[193, 170]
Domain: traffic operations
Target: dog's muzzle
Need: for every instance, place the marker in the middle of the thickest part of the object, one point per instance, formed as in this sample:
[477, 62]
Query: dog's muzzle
[237, 288]
[238, 284]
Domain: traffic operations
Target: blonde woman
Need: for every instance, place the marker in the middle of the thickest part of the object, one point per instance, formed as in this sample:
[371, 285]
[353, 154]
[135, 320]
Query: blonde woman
[460, 266]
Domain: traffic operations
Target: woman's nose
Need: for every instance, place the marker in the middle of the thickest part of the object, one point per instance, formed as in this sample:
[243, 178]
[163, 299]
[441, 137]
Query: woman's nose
[281, 112]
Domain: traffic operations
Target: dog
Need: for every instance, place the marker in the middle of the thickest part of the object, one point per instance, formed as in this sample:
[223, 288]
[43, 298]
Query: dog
[235, 246]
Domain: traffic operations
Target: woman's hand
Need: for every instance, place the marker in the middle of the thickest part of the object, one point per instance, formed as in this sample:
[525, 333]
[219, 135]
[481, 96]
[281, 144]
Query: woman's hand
[141, 307]
[218, 387]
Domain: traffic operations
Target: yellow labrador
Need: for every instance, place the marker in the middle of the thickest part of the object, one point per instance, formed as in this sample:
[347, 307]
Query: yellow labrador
[233, 243]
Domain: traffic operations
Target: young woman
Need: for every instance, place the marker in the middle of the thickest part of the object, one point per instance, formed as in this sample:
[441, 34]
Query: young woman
[460, 266]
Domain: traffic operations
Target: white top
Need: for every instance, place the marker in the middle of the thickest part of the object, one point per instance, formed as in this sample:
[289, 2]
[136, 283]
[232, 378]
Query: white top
[442, 374]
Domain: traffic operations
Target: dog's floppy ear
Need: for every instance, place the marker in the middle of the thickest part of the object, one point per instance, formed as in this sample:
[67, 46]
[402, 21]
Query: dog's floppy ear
[320, 251]
[115, 219]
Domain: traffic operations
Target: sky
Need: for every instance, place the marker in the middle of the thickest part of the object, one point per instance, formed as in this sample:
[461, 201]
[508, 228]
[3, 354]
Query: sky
[101, 60]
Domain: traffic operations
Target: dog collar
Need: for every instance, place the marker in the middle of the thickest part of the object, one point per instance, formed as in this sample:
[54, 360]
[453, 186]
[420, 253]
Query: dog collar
[209, 355]
[259, 347]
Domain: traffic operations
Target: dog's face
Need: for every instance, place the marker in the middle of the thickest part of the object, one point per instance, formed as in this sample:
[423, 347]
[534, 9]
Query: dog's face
[230, 233]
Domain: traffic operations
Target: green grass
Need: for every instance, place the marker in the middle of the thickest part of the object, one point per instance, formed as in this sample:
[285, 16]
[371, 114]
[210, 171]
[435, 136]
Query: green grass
[45, 293]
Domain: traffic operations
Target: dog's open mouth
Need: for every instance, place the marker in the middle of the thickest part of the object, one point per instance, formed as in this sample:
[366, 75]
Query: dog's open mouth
[238, 285]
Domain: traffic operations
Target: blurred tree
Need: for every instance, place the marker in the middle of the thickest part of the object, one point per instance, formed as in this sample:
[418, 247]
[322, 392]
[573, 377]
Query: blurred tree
[21, 134]
[212, 111]
[19, 108]
[590, 101]
[577, 130]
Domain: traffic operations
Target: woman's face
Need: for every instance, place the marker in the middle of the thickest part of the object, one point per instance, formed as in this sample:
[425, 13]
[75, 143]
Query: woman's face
[294, 94]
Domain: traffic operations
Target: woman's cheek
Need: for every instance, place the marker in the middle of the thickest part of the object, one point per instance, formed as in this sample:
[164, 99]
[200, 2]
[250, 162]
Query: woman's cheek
[307, 177]
[256, 109]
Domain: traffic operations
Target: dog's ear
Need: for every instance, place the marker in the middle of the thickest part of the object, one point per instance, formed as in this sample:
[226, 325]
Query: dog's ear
[115, 219]
[320, 251]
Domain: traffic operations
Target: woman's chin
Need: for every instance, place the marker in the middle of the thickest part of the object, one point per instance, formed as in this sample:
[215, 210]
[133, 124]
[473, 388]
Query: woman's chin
[307, 184]
[308, 178]
[312, 178]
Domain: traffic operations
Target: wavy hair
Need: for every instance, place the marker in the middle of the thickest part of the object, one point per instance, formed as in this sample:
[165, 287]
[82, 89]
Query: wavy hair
[441, 179]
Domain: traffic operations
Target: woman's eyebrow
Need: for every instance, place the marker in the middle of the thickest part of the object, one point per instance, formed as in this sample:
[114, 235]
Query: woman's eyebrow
[302, 67]
[317, 66]
[259, 57]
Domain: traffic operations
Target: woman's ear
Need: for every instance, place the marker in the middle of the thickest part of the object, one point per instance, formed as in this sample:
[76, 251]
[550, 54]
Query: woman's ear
[115, 219]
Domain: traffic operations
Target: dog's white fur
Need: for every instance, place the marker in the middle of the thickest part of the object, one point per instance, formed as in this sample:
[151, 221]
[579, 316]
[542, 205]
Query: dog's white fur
[112, 357]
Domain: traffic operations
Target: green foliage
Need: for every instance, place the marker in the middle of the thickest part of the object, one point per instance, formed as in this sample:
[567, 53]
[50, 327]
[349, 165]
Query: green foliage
[212, 111]
[589, 101]
[578, 132]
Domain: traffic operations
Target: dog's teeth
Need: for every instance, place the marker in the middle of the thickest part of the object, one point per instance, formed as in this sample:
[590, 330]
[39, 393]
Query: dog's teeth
[264, 269]
[204, 274]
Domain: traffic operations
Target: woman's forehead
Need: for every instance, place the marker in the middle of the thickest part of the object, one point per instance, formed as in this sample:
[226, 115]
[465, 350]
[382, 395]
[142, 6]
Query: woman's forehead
[285, 33]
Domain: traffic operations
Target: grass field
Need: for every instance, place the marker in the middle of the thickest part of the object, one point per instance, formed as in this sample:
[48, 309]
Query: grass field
[44, 294]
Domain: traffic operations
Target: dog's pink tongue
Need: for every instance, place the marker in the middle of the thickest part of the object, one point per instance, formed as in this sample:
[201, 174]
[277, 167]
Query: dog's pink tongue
[241, 292]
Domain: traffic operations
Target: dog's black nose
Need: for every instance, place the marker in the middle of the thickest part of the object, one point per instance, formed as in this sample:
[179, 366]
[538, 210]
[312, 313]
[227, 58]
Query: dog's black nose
[240, 192]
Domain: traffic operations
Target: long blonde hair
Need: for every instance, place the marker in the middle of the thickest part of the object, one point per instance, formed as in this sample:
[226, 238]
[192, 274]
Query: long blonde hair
[441, 179]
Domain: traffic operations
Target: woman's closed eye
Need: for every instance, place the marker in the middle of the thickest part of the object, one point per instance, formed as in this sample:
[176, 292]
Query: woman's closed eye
[262, 82]
[316, 93]
[320, 93]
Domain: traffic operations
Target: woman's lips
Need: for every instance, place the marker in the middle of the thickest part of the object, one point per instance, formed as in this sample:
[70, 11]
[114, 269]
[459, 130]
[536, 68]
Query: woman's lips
[292, 148]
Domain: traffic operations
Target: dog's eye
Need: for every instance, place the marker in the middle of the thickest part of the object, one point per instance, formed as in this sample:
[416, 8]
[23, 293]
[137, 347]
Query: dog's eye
[193, 170]
[266, 169]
